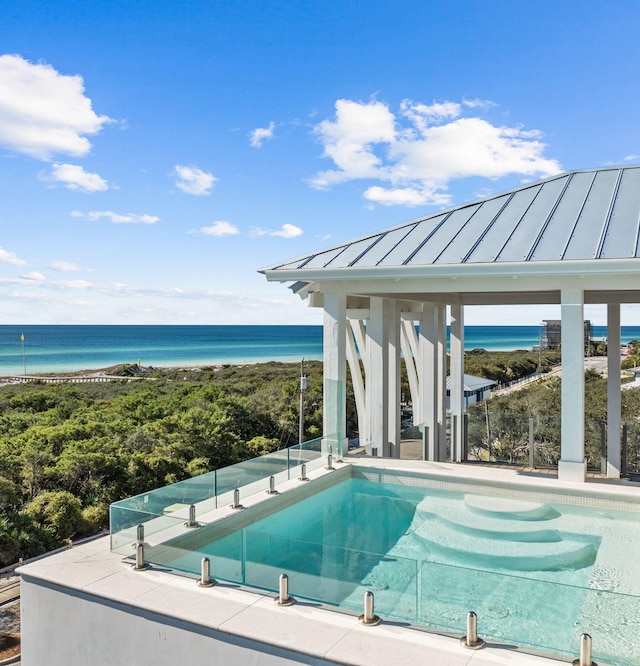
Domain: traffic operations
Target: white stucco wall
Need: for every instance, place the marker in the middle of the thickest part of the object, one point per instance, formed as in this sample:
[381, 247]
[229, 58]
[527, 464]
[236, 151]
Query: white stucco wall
[63, 627]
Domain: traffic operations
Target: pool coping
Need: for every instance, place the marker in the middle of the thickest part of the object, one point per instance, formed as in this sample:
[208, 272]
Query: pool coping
[325, 635]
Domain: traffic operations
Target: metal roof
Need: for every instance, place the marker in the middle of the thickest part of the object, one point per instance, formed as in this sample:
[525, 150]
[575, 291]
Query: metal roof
[473, 383]
[579, 215]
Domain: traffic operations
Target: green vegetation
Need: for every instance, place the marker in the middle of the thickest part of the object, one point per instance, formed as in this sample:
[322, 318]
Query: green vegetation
[68, 450]
[499, 428]
[505, 367]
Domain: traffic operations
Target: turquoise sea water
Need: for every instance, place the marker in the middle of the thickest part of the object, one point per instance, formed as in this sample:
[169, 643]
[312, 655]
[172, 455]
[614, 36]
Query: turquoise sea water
[72, 348]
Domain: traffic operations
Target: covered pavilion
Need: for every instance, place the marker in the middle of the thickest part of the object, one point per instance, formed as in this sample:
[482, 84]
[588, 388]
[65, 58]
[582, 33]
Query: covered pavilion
[571, 240]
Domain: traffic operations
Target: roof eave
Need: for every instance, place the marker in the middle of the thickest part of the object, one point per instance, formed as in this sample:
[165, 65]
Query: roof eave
[494, 269]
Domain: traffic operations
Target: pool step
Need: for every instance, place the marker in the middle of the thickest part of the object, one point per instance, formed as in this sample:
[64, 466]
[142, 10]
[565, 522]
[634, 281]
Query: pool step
[450, 544]
[499, 533]
[510, 509]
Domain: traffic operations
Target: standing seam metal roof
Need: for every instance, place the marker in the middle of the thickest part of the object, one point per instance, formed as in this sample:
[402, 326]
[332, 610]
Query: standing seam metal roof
[578, 215]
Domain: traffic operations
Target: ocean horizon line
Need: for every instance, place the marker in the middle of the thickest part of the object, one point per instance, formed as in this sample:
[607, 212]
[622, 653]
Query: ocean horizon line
[60, 348]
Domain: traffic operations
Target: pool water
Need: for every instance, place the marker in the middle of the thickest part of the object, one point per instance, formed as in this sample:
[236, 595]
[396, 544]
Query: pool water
[537, 574]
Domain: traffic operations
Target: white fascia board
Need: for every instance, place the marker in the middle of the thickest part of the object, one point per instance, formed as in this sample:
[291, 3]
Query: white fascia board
[426, 288]
[629, 267]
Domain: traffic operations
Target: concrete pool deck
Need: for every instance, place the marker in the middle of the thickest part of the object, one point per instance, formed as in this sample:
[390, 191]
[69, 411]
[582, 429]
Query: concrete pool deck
[87, 605]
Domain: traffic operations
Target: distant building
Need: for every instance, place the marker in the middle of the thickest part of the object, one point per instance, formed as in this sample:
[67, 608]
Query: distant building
[551, 334]
[476, 389]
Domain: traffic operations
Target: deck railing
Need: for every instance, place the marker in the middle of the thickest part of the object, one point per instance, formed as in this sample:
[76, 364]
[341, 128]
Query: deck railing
[158, 509]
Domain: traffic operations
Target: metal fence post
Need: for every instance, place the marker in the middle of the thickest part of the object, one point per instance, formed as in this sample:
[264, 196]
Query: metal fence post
[283, 598]
[471, 640]
[465, 438]
[369, 618]
[532, 444]
[624, 452]
[603, 448]
[585, 652]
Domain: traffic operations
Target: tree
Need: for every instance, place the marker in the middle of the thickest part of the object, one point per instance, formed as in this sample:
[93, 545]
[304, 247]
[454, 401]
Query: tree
[60, 511]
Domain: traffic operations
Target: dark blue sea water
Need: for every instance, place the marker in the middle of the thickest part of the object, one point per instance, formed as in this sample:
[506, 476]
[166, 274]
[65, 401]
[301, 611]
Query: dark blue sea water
[72, 348]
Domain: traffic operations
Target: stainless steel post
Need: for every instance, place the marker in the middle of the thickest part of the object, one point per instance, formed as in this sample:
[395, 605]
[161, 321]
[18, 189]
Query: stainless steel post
[369, 618]
[140, 534]
[192, 517]
[585, 652]
[140, 564]
[272, 486]
[236, 500]
[283, 598]
[471, 640]
[303, 473]
[205, 574]
[329, 462]
[603, 448]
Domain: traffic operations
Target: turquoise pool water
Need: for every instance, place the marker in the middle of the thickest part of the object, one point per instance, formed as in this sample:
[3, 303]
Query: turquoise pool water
[537, 574]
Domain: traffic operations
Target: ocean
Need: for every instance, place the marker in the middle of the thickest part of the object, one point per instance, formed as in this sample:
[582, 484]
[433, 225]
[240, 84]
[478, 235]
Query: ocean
[74, 348]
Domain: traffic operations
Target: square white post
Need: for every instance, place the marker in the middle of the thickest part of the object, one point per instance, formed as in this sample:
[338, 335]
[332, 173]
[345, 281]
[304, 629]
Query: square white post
[456, 404]
[572, 465]
[614, 398]
[376, 395]
[392, 322]
[441, 360]
[428, 378]
[383, 376]
[334, 341]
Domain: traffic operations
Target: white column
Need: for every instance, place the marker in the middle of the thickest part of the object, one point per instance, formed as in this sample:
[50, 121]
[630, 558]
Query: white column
[456, 405]
[428, 379]
[614, 398]
[377, 379]
[335, 373]
[383, 376]
[441, 390]
[572, 465]
[392, 324]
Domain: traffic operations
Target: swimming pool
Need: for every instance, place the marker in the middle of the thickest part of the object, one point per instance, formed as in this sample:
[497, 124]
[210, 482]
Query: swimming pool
[537, 568]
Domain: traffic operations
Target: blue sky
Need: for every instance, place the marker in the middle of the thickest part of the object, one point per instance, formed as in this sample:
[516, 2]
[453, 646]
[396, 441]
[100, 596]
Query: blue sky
[154, 155]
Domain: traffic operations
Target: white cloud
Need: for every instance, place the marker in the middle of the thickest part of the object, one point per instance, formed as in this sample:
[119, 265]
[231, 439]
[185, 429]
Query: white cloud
[478, 103]
[116, 218]
[349, 141]
[74, 177]
[33, 275]
[631, 158]
[220, 228]
[261, 134]
[415, 154]
[7, 257]
[68, 267]
[193, 180]
[286, 231]
[43, 112]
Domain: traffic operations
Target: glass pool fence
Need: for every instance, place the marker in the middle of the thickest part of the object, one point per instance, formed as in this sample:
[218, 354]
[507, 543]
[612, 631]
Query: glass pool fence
[533, 614]
[160, 509]
[528, 440]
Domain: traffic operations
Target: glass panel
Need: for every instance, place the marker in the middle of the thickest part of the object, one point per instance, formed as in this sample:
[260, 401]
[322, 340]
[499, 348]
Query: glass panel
[222, 545]
[333, 575]
[530, 613]
[308, 453]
